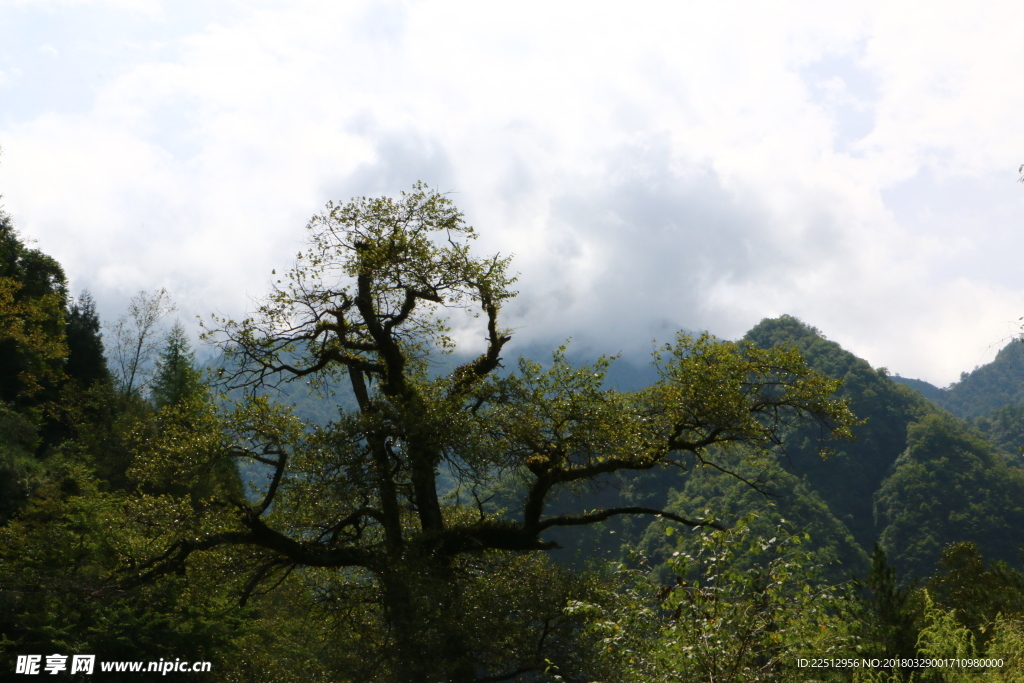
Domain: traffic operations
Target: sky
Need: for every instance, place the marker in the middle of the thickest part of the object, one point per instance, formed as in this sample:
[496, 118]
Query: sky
[651, 166]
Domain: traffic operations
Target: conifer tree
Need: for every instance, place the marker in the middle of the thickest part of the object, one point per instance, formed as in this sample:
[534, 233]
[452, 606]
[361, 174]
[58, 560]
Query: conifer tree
[86, 363]
[178, 377]
[893, 612]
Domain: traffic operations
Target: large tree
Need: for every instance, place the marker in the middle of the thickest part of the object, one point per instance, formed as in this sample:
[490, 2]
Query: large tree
[33, 295]
[359, 504]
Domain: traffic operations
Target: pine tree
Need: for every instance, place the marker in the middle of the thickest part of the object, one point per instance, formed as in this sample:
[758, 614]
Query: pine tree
[86, 363]
[178, 377]
[893, 611]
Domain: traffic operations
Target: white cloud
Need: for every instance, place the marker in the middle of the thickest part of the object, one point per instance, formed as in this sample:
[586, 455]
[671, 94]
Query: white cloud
[659, 166]
[145, 6]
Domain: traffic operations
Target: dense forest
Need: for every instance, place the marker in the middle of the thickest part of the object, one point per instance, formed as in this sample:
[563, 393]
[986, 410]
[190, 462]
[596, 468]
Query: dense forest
[345, 495]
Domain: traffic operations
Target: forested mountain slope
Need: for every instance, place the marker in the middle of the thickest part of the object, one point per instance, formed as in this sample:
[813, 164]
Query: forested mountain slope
[120, 508]
[917, 478]
[914, 479]
[949, 485]
[983, 390]
[847, 479]
[991, 397]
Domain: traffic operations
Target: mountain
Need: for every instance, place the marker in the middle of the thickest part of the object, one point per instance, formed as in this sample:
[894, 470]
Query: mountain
[949, 485]
[919, 476]
[847, 479]
[983, 390]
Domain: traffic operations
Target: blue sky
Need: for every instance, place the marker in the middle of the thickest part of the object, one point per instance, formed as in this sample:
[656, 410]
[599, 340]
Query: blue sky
[652, 167]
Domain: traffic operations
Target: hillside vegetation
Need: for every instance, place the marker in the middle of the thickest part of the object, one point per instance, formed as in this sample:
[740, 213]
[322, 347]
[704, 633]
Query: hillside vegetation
[397, 514]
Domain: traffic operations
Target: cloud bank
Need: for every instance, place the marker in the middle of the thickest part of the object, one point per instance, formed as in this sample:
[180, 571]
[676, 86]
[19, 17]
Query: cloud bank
[665, 166]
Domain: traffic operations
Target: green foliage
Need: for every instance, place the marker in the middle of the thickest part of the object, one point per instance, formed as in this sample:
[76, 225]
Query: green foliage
[57, 559]
[730, 620]
[926, 389]
[1006, 644]
[949, 485]
[74, 521]
[1004, 428]
[778, 496]
[978, 591]
[177, 378]
[86, 363]
[916, 478]
[359, 499]
[944, 637]
[990, 386]
[32, 299]
[983, 391]
[19, 469]
[402, 535]
[849, 477]
[891, 624]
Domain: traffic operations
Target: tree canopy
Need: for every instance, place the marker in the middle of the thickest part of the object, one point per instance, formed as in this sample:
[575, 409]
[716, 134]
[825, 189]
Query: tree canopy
[368, 301]
[33, 293]
[403, 522]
